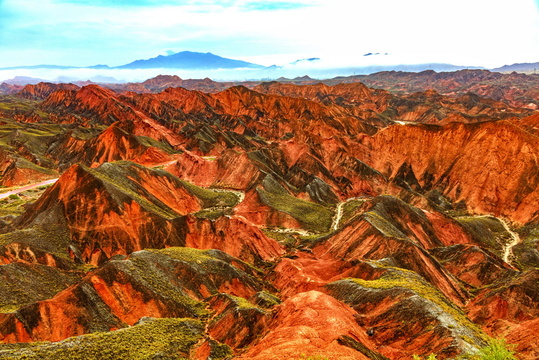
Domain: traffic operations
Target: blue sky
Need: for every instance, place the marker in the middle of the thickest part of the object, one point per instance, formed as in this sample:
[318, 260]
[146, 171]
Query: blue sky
[115, 32]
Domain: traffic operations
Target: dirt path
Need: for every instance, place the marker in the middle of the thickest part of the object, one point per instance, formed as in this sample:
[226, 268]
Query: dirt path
[27, 187]
[239, 194]
[507, 249]
[338, 216]
[339, 211]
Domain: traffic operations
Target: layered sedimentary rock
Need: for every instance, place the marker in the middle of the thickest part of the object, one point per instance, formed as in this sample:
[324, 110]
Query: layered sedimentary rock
[281, 221]
[491, 167]
[42, 90]
[166, 283]
[123, 207]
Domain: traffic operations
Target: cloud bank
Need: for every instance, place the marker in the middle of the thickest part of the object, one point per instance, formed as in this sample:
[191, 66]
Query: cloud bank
[83, 33]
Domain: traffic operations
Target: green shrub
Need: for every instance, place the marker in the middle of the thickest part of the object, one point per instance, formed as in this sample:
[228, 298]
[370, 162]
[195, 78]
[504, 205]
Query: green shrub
[498, 349]
[154, 339]
[314, 357]
[430, 357]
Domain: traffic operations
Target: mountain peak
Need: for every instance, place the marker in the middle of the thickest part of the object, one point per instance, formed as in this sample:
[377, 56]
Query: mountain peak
[189, 60]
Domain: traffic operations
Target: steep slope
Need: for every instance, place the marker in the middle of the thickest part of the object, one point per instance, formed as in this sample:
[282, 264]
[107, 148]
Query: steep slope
[113, 144]
[90, 102]
[517, 90]
[122, 207]
[157, 283]
[287, 222]
[491, 167]
[150, 338]
[310, 324]
[42, 90]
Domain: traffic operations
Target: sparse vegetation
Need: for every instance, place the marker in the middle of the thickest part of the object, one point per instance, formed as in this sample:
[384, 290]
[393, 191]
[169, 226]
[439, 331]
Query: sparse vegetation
[350, 209]
[122, 175]
[313, 217]
[22, 163]
[429, 357]
[159, 282]
[11, 103]
[487, 231]
[158, 338]
[314, 357]
[288, 239]
[385, 226]
[497, 349]
[410, 280]
[21, 284]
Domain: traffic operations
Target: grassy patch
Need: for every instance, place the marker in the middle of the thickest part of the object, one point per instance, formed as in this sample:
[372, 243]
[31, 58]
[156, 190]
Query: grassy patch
[211, 259]
[219, 351]
[289, 239]
[52, 239]
[386, 227]
[156, 339]
[407, 279]
[113, 175]
[212, 198]
[122, 176]
[159, 282]
[313, 217]
[349, 210]
[242, 303]
[208, 268]
[13, 206]
[149, 142]
[25, 164]
[22, 284]
[497, 349]
[187, 254]
[487, 231]
[11, 103]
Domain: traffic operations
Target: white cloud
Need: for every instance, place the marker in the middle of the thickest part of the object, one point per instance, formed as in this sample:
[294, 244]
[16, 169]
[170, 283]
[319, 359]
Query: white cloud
[478, 32]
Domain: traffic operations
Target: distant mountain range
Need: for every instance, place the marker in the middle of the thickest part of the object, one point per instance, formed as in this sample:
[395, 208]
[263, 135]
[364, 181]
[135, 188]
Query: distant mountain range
[521, 67]
[187, 60]
[190, 60]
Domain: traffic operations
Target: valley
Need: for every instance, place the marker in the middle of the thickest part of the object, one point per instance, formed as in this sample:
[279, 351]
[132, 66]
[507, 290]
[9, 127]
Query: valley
[350, 218]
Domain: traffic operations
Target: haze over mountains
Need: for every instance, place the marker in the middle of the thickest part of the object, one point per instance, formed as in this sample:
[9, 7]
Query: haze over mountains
[196, 64]
[183, 60]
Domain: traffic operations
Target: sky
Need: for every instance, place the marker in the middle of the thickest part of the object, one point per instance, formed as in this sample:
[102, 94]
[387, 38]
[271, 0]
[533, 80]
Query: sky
[486, 33]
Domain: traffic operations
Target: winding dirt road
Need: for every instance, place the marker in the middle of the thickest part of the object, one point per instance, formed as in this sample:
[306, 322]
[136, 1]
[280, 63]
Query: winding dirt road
[507, 249]
[27, 187]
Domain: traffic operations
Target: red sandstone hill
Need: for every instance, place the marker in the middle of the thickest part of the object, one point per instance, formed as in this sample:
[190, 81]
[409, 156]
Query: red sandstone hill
[342, 94]
[163, 82]
[42, 90]
[122, 207]
[278, 222]
[515, 89]
[491, 167]
[8, 89]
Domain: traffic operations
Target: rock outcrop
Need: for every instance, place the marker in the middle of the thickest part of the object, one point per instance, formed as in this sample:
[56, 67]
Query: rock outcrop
[269, 221]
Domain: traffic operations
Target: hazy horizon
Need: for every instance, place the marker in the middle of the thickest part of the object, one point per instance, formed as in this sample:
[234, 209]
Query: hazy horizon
[84, 33]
